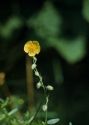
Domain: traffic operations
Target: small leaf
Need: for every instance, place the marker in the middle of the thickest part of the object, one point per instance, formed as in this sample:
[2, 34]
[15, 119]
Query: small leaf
[5, 103]
[13, 111]
[2, 116]
[53, 121]
[30, 120]
[70, 123]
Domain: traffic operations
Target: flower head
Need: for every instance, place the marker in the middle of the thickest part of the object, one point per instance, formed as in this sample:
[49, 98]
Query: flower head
[32, 48]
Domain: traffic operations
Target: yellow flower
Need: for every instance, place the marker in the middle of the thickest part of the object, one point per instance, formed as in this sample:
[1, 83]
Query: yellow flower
[32, 48]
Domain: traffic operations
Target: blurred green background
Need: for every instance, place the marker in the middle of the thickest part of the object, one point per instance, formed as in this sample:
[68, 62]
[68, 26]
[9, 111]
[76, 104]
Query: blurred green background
[62, 28]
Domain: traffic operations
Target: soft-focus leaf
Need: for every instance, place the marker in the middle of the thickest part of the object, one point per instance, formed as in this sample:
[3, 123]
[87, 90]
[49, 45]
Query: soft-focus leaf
[47, 26]
[70, 123]
[6, 30]
[13, 111]
[72, 50]
[47, 22]
[53, 121]
[86, 9]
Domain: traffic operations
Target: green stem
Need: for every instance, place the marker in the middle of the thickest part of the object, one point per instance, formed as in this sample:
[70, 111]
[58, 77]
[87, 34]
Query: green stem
[35, 115]
[43, 86]
[46, 115]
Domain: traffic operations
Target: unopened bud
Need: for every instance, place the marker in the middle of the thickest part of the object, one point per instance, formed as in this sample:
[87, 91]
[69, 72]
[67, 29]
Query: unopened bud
[44, 107]
[49, 87]
[36, 73]
[33, 66]
[38, 85]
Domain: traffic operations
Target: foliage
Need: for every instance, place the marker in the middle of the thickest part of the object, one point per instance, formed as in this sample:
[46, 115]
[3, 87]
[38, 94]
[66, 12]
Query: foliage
[61, 26]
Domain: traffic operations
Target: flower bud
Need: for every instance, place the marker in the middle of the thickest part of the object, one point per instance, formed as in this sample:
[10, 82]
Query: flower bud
[44, 107]
[49, 87]
[33, 66]
[36, 73]
[38, 85]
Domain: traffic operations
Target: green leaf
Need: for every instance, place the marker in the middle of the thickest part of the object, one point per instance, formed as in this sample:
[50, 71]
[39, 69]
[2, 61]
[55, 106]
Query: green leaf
[53, 121]
[13, 111]
[85, 10]
[7, 29]
[70, 123]
[47, 22]
[2, 116]
[72, 50]
[5, 103]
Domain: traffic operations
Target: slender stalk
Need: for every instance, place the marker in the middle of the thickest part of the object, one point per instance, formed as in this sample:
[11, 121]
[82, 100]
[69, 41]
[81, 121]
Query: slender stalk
[36, 72]
[46, 114]
[29, 79]
[36, 113]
